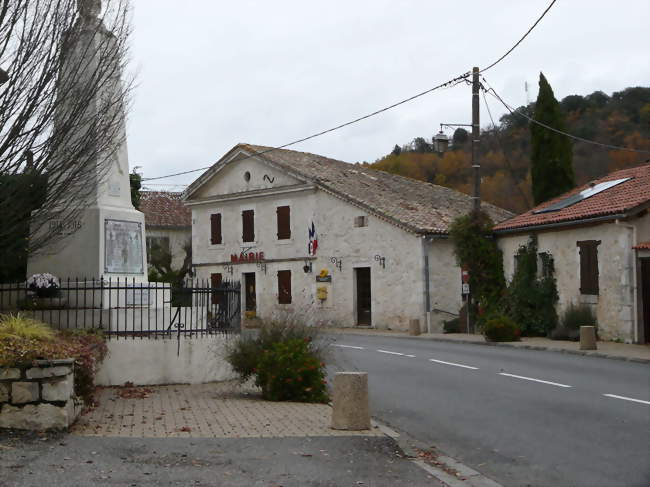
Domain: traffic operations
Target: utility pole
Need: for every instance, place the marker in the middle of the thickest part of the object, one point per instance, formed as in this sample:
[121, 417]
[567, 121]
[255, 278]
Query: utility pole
[476, 139]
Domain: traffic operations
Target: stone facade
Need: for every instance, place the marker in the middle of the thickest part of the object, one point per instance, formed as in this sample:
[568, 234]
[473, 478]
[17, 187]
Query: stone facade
[382, 238]
[617, 303]
[38, 396]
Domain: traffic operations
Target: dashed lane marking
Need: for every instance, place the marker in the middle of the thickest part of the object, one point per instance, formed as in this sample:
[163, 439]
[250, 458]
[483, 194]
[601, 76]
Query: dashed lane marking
[534, 380]
[626, 398]
[396, 353]
[349, 346]
[452, 363]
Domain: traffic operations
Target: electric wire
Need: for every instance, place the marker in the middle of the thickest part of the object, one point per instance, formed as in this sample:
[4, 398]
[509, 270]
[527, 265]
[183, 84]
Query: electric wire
[553, 129]
[520, 40]
[446, 84]
[505, 156]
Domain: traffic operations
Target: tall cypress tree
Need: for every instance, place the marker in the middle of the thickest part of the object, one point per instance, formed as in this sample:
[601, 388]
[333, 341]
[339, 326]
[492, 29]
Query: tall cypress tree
[552, 156]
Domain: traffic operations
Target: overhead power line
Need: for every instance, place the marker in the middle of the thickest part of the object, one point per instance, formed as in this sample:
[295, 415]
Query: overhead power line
[520, 40]
[557, 131]
[450, 83]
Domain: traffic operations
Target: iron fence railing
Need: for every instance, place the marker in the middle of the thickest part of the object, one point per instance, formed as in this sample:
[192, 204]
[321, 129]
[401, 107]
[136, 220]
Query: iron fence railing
[125, 308]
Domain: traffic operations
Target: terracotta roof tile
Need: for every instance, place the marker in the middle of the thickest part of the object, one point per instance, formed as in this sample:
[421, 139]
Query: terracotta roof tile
[643, 246]
[164, 209]
[616, 200]
[421, 207]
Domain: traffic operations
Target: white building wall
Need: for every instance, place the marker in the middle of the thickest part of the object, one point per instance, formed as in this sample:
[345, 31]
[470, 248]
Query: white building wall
[398, 290]
[615, 304]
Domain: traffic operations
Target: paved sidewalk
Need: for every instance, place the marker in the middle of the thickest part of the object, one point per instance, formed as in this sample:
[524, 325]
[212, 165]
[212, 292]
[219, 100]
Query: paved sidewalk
[215, 410]
[613, 350]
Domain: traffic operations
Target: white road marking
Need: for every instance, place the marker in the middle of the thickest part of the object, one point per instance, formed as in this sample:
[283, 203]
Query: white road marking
[412, 356]
[349, 346]
[452, 363]
[392, 353]
[534, 380]
[626, 398]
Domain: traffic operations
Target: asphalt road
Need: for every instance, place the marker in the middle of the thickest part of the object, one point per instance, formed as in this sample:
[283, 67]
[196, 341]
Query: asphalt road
[520, 417]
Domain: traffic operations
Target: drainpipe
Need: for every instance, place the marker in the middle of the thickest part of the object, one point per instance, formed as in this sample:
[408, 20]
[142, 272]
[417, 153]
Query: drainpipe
[427, 294]
[633, 287]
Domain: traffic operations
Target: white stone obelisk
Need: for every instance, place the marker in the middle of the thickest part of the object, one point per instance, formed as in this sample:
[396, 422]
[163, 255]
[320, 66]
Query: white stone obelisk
[106, 238]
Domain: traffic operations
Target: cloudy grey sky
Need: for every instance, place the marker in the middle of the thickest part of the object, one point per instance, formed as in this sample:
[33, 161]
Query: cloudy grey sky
[213, 73]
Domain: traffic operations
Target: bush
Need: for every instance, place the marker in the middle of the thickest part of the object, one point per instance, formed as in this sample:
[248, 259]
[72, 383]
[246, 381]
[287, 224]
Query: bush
[451, 326]
[273, 350]
[501, 329]
[572, 319]
[23, 340]
[288, 371]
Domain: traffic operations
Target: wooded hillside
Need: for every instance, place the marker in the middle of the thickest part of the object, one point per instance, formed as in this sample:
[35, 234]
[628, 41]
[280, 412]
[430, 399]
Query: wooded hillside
[622, 119]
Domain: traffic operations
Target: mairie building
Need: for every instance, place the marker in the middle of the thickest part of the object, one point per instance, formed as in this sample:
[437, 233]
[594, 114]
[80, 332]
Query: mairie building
[327, 242]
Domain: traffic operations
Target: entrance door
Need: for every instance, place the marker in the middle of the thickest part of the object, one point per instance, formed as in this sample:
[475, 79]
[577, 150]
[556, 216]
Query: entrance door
[362, 278]
[250, 301]
[645, 298]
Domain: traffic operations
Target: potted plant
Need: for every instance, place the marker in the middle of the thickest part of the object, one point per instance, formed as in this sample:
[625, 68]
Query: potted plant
[44, 285]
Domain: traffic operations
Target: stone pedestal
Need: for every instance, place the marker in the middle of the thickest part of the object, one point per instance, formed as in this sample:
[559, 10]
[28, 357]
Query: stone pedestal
[350, 409]
[414, 327]
[588, 338]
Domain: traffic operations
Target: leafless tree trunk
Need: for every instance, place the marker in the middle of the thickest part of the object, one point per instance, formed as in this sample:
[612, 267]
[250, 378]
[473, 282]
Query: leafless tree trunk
[61, 110]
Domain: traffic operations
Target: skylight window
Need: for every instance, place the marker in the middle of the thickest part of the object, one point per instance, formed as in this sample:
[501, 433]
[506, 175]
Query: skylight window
[582, 195]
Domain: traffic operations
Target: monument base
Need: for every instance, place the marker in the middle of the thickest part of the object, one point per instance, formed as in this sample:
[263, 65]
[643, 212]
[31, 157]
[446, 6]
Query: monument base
[103, 242]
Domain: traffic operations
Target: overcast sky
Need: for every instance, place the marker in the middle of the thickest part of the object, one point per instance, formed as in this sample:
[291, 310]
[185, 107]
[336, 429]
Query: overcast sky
[214, 73]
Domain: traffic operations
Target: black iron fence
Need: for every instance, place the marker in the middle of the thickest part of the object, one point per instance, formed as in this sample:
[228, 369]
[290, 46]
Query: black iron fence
[125, 308]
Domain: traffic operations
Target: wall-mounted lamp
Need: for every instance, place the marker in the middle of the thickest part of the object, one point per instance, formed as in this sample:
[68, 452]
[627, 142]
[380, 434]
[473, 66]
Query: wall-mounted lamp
[307, 268]
[381, 260]
[337, 262]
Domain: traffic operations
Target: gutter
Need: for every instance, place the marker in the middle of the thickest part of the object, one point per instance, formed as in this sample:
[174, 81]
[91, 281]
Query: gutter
[561, 224]
[633, 289]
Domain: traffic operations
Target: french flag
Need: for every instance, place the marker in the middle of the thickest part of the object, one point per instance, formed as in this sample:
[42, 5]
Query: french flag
[313, 240]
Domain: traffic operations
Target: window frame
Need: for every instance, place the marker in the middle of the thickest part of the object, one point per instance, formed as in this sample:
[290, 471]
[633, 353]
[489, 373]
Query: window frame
[248, 237]
[589, 274]
[216, 227]
[283, 222]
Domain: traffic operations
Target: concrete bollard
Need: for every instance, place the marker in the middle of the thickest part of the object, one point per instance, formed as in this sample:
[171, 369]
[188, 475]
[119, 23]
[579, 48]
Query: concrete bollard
[588, 338]
[414, 327]
[350, 410]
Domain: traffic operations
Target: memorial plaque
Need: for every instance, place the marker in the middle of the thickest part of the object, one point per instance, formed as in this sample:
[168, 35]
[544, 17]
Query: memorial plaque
[123, 247]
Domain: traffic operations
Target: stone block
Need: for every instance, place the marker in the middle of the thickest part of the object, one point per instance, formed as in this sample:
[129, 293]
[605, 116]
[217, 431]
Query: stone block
[37, 417]
[7, 374]
[4, 392]
[59, 390]
[588, 338]
[45, 372]
[350, 409]
[414, 327]
[22, 392]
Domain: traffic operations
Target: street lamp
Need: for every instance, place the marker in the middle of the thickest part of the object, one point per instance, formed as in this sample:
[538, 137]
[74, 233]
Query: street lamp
[441, 142]
[4, 77]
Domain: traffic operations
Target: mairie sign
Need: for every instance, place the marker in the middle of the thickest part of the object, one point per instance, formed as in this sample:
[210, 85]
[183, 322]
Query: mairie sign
[247, 257]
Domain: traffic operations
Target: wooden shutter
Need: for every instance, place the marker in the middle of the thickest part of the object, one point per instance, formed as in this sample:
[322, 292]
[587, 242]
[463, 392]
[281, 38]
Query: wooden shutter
[589, 266]
[284, 287]
[215, 229]
[248, 225]
[284, 222]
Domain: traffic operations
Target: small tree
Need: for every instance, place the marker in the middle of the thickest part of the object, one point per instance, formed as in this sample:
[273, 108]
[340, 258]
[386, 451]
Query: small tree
[478, 252]
[551, 152]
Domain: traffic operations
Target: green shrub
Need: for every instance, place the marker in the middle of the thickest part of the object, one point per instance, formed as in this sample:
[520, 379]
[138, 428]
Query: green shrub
[263, 357]
[501, 329]
[572, 319]
[451, 326]
[19, 326]
[289, 371]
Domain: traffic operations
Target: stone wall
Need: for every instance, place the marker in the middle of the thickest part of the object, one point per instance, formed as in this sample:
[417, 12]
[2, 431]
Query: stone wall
[38, 396]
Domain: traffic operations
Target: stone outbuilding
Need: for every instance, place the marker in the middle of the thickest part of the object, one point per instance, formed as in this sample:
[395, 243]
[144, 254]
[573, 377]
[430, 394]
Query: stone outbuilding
[168, 223]
[598, 237]
[331, 242]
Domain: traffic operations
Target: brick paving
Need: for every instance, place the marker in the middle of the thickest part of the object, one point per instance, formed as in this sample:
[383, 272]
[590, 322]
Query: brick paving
[216, 410]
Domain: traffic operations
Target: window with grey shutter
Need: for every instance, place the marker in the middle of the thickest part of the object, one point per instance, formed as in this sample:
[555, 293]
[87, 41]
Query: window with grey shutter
[588, 266]
[284, 222]
[248, 225]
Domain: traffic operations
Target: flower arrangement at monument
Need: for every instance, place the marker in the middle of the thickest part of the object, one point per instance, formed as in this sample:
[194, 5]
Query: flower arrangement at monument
[44, 285]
